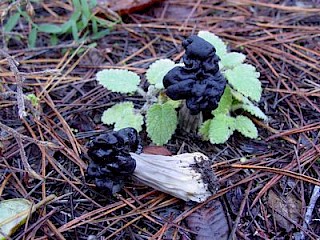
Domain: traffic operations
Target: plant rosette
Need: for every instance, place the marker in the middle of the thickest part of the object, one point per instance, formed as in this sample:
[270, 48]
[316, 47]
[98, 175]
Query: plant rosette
[210, 80]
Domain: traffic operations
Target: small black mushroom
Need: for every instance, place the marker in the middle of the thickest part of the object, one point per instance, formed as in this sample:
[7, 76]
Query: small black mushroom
[111, 163]
[199, 81]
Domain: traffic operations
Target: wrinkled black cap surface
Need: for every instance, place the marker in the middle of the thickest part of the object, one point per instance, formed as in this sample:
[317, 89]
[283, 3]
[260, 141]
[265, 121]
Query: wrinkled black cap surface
[111, 163]
[199, 81]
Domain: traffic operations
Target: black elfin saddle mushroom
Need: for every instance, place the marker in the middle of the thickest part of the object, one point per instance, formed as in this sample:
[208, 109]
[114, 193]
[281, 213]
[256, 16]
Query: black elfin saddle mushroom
[111, 162]
[199, 81]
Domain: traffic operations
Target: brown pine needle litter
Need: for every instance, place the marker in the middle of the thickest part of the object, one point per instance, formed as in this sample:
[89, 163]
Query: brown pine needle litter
[42, 146]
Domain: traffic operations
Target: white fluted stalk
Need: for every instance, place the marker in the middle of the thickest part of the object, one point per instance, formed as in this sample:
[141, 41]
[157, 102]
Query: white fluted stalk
[186, 176]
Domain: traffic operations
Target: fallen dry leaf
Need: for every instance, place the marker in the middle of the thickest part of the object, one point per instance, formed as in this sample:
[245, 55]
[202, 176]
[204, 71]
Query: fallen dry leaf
[209, 222]
[288, 207]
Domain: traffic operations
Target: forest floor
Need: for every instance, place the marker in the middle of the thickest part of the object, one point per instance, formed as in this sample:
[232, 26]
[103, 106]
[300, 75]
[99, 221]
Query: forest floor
[267, 199]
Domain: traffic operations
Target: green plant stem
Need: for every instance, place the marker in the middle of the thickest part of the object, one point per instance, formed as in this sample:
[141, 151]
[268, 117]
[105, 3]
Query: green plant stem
[188, 122]
[149, 97]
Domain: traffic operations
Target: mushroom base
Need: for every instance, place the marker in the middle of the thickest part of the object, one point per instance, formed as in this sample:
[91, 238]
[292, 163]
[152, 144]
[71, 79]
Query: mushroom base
[186, 176]
[188, 122]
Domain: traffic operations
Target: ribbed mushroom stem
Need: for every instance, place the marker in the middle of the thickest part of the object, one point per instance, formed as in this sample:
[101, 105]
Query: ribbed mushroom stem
[188, 122]
[186, 176]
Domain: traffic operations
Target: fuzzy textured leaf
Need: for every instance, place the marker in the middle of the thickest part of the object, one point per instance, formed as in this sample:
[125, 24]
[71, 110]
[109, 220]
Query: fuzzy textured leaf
[220, 46]
[255, 111]
[221, 128]
[122, 115]
[249, 106]
[238, 96]
[246, 127]
[14, 213]
[204, 130]
[232, 59]
[224, 103]
[161, 122]
[158, 70]
[119, 80]
[174, 103]
[245, 79]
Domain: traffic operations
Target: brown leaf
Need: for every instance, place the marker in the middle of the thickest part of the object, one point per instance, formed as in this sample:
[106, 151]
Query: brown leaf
[288, 207]
[127, 6]
[157, 150]
[209, 222]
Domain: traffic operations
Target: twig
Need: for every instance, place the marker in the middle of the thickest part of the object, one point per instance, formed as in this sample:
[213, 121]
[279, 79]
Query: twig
[283, 172]
[23, 137]
[237, 221]
[19, 78]
[25, 160]
[307, 218]
[44, 72]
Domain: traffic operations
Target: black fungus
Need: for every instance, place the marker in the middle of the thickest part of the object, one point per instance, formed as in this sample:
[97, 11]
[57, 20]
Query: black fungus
[110, 161]
[199, 81]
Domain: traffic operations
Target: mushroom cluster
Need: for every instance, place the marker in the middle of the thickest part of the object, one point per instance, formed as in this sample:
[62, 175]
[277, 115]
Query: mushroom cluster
[199, 81]
[111, 163]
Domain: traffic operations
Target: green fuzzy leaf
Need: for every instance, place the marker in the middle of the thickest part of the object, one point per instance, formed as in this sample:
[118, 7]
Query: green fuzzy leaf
[255, 111]
[161, 123]
[174, 103]
[204, 130]
[220, 46]
[14, 213]
[232, 59]
[221, 128]
[246, 127]
[49, 28]
[118, 80]
[12, 22]
[122, 115]
[158, 70]
[224, 103]
[244, 78]
[248, 106]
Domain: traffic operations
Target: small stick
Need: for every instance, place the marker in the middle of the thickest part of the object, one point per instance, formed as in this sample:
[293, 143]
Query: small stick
[23, 137]
[20, 79]
[25, 160]
[237, 221]
[307, 218]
